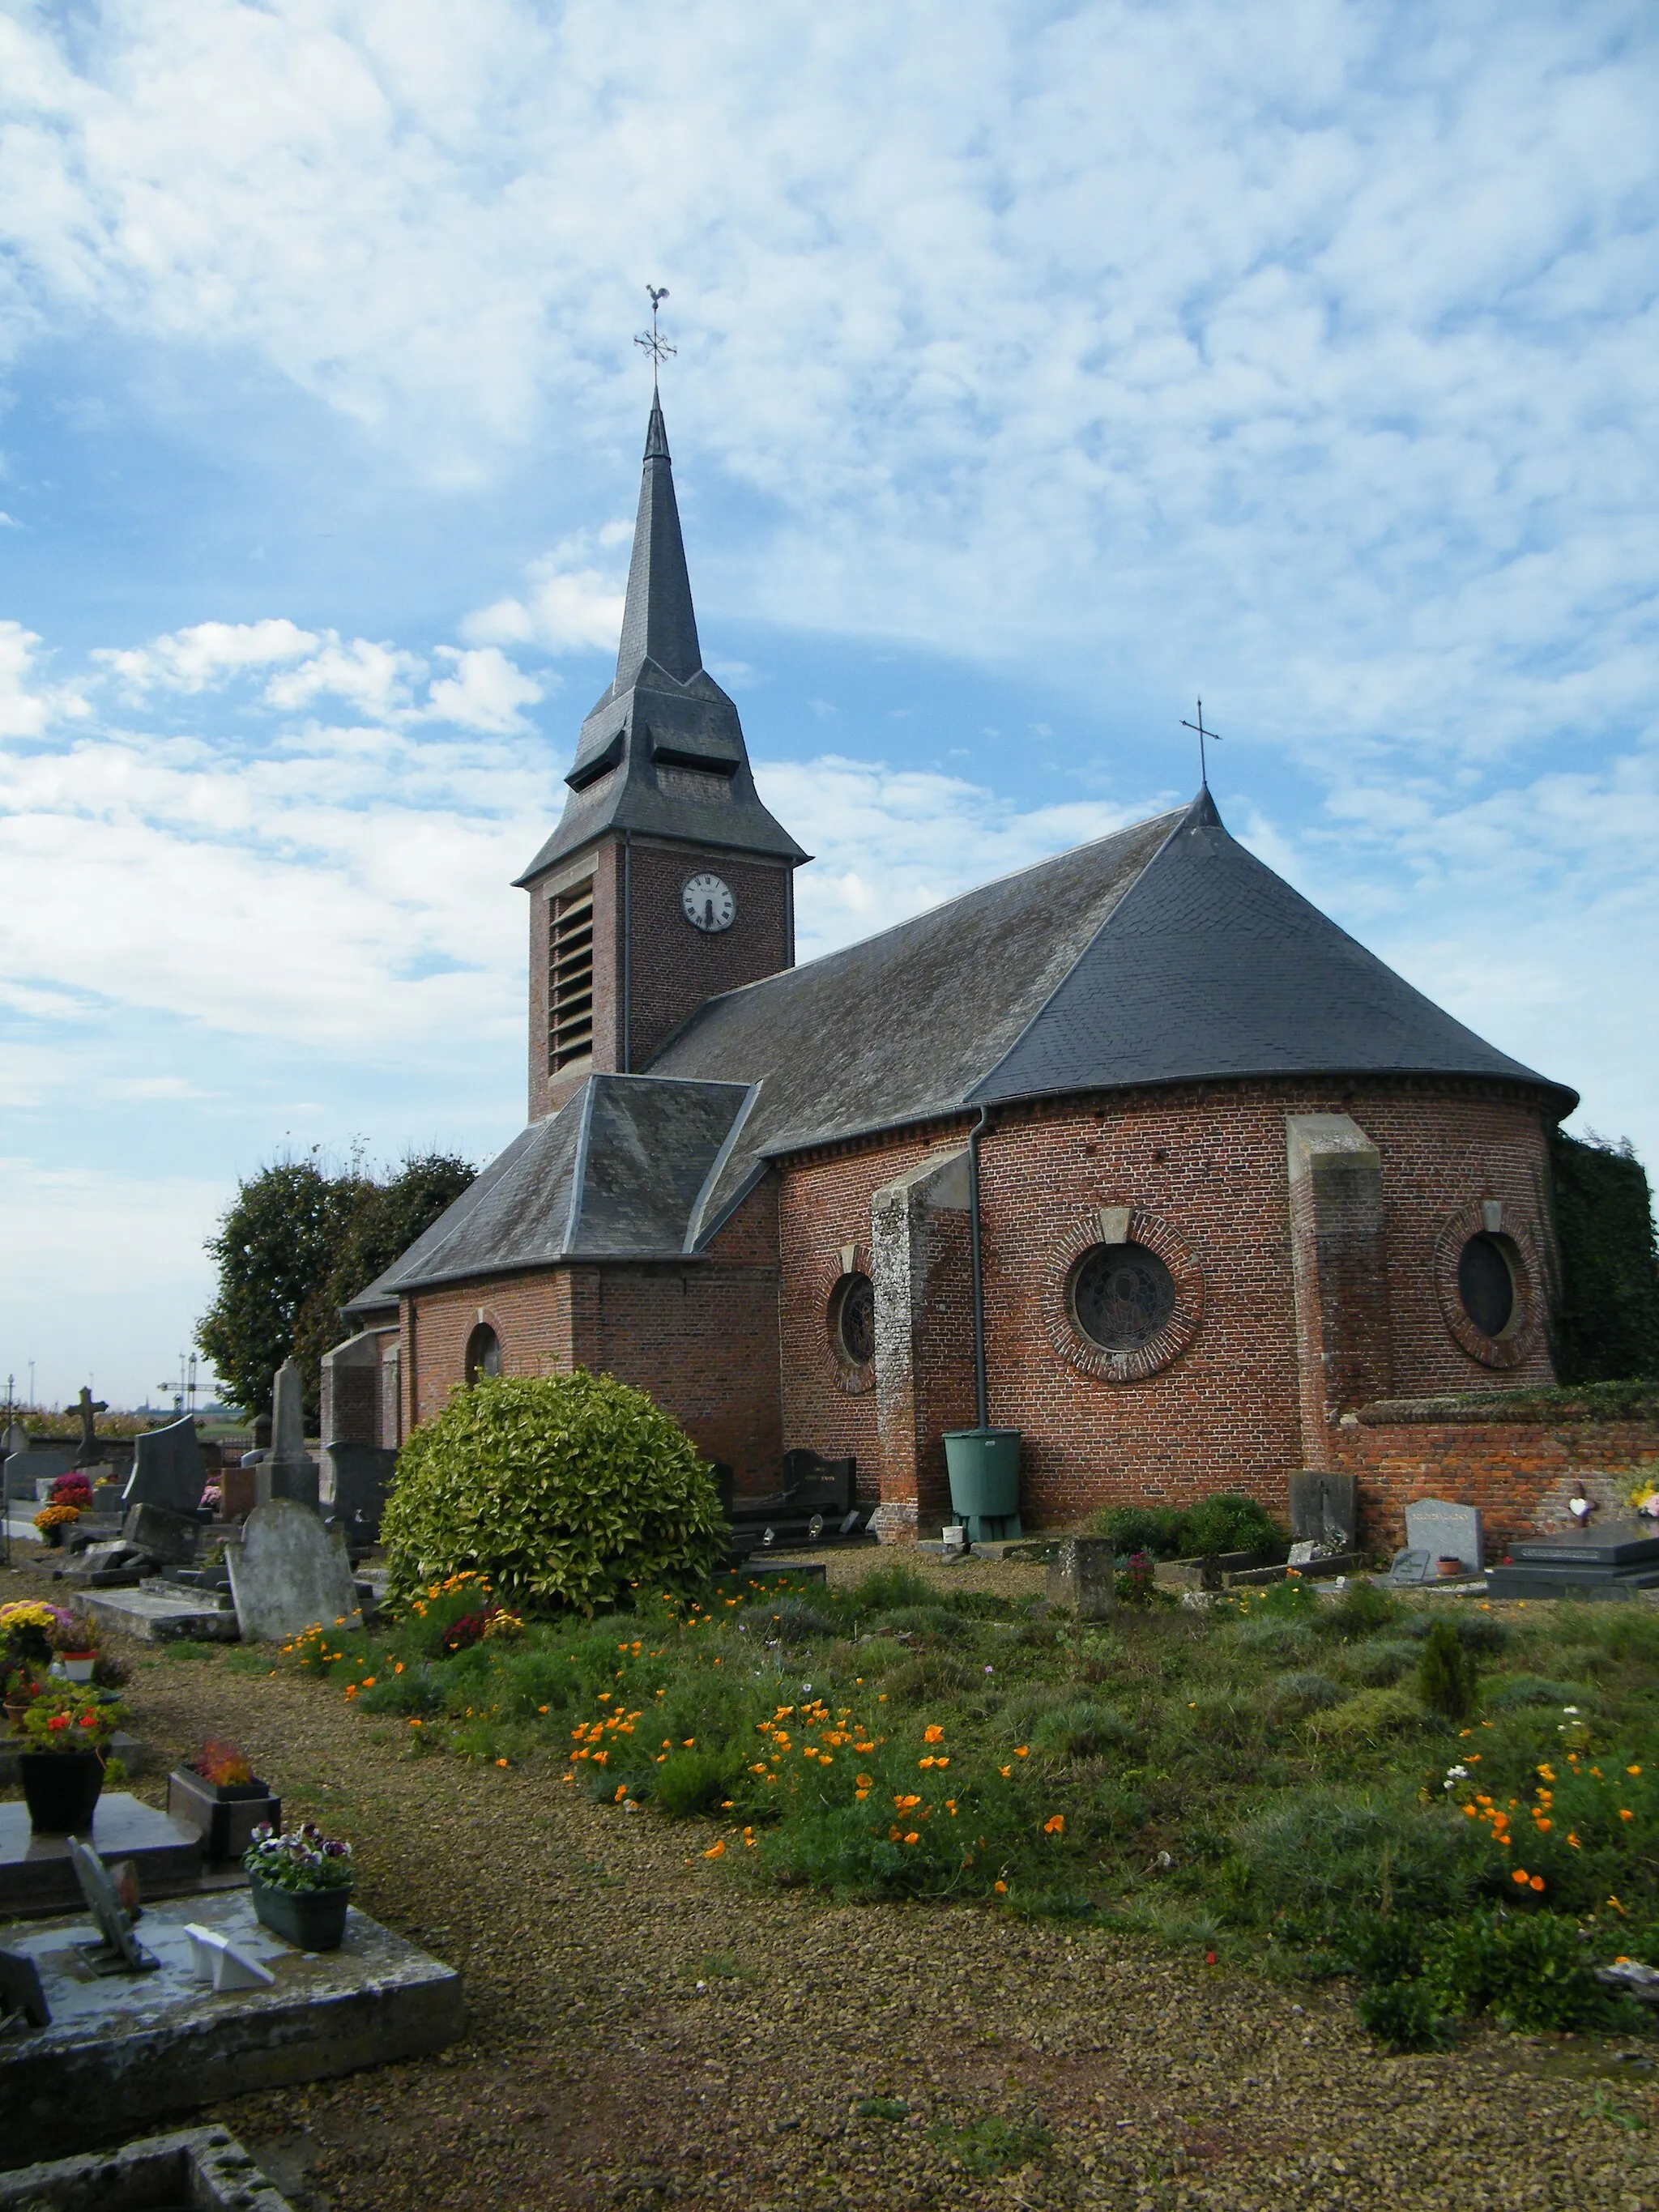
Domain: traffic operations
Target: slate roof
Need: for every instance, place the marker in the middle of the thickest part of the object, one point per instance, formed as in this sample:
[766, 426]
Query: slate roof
[662, 714]
[619, 1172]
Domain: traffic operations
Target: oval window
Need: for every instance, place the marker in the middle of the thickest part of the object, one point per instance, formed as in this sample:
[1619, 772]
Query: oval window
[484, 1353]
[1122, 1295]
[1485, 1285]
[853, 1319]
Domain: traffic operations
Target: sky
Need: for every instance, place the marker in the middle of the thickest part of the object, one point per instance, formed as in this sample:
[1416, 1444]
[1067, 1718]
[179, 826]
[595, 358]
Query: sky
[1039, 368]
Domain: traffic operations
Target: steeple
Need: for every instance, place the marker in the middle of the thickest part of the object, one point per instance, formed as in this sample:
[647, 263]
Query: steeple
[659, 623]
[663, 714]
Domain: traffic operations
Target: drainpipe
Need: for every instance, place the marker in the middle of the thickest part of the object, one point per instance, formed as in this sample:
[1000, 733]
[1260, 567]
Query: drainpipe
[980, 1415]
[626, 1054]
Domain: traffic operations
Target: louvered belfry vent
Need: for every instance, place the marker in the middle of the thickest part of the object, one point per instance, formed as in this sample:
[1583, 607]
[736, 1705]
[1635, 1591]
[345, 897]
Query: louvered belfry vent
[570, 978]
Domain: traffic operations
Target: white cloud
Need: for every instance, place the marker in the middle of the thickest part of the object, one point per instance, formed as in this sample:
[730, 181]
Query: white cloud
[569, 605]
[27, 707]
[206, 654]
[374, 678]
[486, 692]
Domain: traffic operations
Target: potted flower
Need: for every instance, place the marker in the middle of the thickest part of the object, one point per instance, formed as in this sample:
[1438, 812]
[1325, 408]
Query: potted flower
[218, 1793]
[52, 1520]
[27, 1628]
[74, 1646]
[64, 1764]
[301, 1881]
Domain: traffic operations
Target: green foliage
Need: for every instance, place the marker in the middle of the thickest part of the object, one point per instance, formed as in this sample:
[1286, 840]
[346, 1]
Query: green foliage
[994, 2145]
[1403, 2016]
[1080, 1728]
[1530, 1971]
[297, 1241]
[1370, 1717]
[691, 1782]
[1294, 1696]
[1380, 1661]
[1607, 1316]
[1222, 1524]
[1331, 1852]
[1446, 1674]
[563, 1491]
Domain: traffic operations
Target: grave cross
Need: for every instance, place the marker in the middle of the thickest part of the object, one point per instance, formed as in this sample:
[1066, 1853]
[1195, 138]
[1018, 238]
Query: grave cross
[89, 1407]
[1203, 766]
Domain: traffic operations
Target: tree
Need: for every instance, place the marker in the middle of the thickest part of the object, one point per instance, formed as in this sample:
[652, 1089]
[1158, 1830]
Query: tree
[1606, 1317]
[298, 1242]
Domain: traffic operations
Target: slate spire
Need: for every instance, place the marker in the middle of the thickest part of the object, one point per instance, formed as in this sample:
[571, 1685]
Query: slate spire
[658, 623]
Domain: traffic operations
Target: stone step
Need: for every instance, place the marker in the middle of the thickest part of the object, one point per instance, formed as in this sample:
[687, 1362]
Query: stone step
[161, 1616]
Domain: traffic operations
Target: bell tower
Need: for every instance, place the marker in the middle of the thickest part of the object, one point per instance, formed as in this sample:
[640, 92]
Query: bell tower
[667, 881]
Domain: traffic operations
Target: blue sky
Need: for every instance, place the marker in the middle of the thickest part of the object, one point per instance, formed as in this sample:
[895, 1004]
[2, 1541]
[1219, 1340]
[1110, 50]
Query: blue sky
[1038, 367]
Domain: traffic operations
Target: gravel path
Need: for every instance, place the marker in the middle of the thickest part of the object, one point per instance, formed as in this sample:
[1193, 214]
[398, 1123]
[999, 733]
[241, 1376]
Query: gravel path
[645, 2028]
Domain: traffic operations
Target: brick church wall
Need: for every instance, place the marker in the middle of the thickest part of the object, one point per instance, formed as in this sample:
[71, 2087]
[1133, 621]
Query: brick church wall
[1519, 1474]
[1210, 1162]
[700, 1339]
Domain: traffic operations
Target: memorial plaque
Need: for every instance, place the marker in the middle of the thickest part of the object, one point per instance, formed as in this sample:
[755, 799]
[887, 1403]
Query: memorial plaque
[118, 1951]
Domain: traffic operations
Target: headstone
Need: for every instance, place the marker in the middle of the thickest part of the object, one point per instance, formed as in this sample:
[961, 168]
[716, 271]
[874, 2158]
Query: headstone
[169, 1538]
[39, 1463]
[22, 2000]
[287, 1469]
[1325, 1509]
[167, 1469]
[1084, 1576]
[14, 1439]
[117, 1952]
[354, 1481]
[289, 1572]
[1408, 1568]
[1613, 1561]
[1445, 1531]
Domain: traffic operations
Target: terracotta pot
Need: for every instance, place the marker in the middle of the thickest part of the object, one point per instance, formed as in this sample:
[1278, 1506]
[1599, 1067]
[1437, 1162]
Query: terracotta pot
[15, 1709]
[310, 1919]
[1448, 1567]
[61, 1788]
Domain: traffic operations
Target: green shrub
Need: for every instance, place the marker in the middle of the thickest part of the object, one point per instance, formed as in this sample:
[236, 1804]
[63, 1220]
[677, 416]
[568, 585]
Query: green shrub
[563, 1491]
[1228, 1523]
[1283, 1640]
[1530, 1971]
[1160, 1531]
[784, 1620]
[1475, 1632]
[690, 1782]
[937, 1622]
[992, 2145]
[1507, 1691]
[1446, 1674]
[1370, 1716]
[1379, 1661]
[1331, 1853]
[928, 1678]
[1079, 1728]
[1403, 2016]
[1362, 1610]
[885, 1589]
[1292, 1697]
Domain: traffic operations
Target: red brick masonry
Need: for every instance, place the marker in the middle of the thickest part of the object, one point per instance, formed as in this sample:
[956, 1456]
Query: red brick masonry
[1519, 1474]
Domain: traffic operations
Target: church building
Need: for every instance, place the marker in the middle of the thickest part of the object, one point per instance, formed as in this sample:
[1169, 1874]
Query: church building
[1225, 1175]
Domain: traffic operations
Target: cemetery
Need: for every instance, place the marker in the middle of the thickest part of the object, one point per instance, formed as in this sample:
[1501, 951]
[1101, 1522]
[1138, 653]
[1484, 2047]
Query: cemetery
[1280, 1789]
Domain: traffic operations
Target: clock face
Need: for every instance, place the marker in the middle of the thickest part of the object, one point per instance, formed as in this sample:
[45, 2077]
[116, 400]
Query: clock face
[708, 903]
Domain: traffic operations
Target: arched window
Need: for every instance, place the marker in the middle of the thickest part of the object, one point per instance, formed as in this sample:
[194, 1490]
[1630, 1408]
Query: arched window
[853, 1319]
[484, 1353]
[1485, 1283]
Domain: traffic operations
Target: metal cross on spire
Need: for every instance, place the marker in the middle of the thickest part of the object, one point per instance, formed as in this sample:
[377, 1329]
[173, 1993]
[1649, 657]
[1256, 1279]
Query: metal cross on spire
[1203, 765]
[651, 341]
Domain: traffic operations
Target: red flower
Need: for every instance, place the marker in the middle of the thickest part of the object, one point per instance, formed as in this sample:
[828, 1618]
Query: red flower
[90, 1720]
[58, 1721]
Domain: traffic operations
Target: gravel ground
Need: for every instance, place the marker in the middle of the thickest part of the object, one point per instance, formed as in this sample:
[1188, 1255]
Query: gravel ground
[647, 2029]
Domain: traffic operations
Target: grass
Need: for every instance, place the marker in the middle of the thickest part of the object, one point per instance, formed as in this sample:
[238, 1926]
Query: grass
[1258, 1782]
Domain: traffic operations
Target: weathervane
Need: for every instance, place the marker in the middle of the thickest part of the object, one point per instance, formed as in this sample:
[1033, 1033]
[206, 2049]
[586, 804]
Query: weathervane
[1203, 766]
[651, 342]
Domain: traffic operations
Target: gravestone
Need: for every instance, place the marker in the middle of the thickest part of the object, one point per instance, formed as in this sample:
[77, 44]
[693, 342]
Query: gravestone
[288, 1573]
[1613, 1561]
[167, 1469]
[1325, 1509]
[1083, 1574]
[1446, 1531]
[39, 1463]
[22, 2000]
[354, 1481]
[288, 1470]
[89, 1408]
[14, 1439]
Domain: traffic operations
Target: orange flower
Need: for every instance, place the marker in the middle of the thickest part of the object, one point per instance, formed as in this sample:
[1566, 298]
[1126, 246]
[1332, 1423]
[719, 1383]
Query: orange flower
[1520, 1877]
[1625, 1813]
[1054, 1825]
[1000, 1888]
[501, 1762]
[912, 1838]
[933, 1734]
[716, 1850]
[1537, 1882]
[1632, 1770]
[1022, 1750]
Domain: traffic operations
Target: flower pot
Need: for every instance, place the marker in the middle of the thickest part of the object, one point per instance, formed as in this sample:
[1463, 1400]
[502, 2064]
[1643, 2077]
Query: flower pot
[224, 1813]
[61, 1788]
[310, 1919]
[15, 1709]
[77, 1666]
[1448, 1568]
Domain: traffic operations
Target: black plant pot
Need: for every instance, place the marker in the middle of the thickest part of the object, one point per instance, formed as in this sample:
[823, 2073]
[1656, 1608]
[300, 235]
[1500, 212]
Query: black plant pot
[226, 1814]
[61, 1788]
[311, 1919]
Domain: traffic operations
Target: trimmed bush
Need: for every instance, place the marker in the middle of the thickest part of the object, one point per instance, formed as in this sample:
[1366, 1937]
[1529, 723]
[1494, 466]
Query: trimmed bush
[1380, 1661]
[1446, 1674]
[562, 1490]
[1292, 1697]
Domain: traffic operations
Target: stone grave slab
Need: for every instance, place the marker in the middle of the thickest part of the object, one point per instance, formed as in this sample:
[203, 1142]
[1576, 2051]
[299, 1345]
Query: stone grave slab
[204, 2167]
[162, 1616]
[289, 1572]
[128, 2050]
[37, 1873]
[1617, 1560]
[1436, 1530]
[353, 1484]
[1084, 1578]
[1325, 1509]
